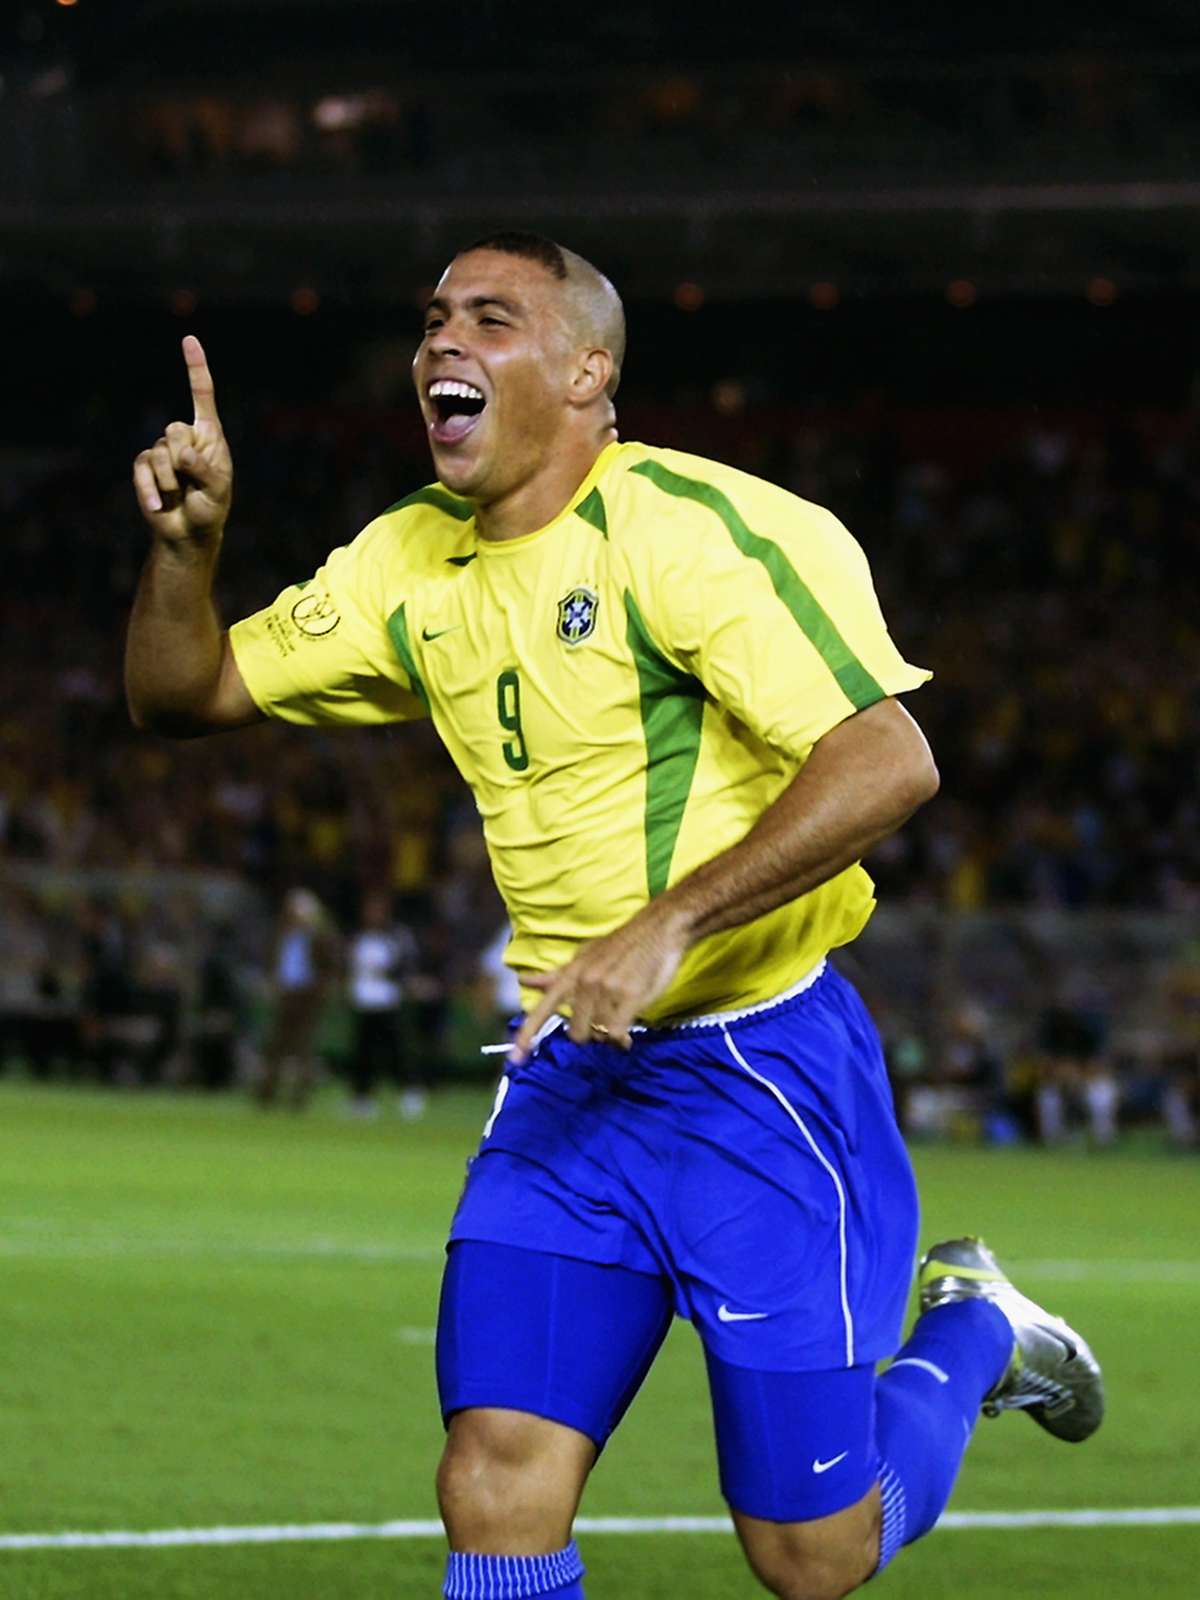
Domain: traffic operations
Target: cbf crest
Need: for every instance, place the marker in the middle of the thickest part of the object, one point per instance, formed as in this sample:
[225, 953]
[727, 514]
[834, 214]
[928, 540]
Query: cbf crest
[577, 614]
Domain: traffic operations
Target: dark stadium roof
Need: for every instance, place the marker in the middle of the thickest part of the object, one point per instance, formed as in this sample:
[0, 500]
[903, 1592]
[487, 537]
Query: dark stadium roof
[184, 34]
[1025, 151]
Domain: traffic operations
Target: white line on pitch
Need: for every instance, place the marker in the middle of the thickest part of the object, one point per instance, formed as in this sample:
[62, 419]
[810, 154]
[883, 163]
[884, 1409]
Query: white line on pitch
[1111, 1271]
[289, 1533]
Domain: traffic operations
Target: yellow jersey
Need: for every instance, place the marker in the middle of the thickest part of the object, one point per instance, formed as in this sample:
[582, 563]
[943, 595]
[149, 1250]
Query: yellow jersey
[625, 691]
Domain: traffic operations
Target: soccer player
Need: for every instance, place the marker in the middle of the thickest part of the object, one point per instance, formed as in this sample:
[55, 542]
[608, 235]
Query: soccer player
[672, 692]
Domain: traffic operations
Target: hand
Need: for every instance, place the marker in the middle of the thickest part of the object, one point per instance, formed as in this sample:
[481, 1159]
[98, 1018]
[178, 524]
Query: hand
[184, 483]
[610, 982]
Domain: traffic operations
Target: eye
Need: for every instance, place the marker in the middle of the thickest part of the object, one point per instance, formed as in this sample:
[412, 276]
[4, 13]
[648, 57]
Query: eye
[493, 322]
[432, 323]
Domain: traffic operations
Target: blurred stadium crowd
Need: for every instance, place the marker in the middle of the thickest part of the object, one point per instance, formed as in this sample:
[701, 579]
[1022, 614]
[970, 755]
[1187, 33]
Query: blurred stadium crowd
[1044, 569]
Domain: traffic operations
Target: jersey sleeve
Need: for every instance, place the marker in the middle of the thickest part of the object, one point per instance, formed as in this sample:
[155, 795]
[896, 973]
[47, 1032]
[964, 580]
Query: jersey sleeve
[773, 609]
[323, 652]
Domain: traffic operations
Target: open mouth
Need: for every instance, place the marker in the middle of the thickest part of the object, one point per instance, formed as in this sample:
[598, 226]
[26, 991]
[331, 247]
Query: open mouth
[457, 408]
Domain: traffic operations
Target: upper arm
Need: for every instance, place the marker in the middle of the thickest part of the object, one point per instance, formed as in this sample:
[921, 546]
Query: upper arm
[886, 752]
[231, 705]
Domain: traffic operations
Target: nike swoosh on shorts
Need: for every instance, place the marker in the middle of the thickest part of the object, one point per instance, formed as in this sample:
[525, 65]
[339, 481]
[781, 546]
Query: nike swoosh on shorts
[725, 1315]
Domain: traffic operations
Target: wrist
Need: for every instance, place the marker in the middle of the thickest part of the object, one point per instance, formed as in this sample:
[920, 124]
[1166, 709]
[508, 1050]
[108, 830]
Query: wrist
[674, 915]
[192, 550]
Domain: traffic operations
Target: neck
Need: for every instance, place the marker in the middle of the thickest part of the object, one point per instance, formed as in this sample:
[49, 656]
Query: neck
[538, 499]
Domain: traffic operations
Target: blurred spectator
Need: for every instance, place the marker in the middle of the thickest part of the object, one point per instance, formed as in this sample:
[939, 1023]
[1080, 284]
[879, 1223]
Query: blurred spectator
[1181, 1091]
[428, 995]
[956, 1088]
[304, 965]
[1075, 1083]
[219, 1024]
[38, 1024]
[1181, 1101]
[106, 1032]
[382, 953]
[158, 1001]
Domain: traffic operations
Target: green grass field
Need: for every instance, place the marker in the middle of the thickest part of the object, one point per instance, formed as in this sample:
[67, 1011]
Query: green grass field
[214, 1317]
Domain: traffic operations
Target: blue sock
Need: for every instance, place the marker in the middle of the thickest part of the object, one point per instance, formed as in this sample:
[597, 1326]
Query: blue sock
[926, 1405]
[473, 1577]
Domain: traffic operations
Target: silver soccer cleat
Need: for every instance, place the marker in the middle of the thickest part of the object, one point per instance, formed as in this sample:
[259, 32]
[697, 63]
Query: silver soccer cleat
[1052, 1375]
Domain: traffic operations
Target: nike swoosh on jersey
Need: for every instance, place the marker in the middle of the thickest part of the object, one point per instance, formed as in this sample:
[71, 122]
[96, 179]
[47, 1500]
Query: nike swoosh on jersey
[824, 1466]
[438, 632]
[725, 1315]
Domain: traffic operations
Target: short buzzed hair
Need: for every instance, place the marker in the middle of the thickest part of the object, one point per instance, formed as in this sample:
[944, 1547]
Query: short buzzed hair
[597, 313]
[533, 246]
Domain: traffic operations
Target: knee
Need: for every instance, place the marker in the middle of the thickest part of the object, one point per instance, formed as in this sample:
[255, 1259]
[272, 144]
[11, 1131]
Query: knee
[822, 1560]
[482, 1462]
[815, 1576]
[825, 1577]
[509, 1483]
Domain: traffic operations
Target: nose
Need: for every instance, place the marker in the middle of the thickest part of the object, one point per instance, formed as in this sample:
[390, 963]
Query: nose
[445, 341]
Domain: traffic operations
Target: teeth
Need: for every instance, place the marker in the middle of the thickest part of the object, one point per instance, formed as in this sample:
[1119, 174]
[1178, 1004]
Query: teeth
[450, 386]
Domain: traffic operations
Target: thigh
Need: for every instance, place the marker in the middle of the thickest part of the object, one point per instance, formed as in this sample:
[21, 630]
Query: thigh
[559, 1338]
[793, 1447]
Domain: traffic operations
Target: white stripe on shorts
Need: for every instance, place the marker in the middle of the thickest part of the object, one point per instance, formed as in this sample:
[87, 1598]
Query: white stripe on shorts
[787, 1105]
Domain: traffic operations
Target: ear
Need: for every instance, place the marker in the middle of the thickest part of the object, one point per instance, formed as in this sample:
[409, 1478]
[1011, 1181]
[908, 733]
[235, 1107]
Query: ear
[593, 371]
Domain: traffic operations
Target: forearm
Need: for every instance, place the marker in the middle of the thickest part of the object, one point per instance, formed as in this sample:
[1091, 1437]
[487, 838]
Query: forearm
[861, 783]
[175, 644]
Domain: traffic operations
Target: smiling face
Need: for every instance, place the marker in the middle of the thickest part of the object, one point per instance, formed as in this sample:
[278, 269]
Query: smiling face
[500, 374]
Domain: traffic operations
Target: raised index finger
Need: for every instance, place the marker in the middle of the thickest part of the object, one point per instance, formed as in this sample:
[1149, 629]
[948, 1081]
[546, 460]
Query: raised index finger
[204, 399]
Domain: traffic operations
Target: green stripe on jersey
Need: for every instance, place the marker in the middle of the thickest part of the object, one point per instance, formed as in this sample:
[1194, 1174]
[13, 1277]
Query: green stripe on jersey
[591, 509]
[856, 683]
[397, 627]
[672, 713]
[440, 499]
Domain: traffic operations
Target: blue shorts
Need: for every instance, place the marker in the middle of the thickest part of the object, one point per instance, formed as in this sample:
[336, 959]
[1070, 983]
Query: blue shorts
[748, 1172]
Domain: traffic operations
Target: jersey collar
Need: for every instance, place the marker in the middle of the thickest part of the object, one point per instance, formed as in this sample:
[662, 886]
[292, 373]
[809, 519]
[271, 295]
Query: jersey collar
[496, 547]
